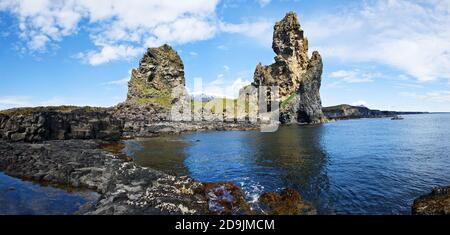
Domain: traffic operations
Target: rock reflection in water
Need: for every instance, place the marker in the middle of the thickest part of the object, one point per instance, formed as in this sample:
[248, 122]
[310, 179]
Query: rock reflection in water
[297, 154]
[258, 162]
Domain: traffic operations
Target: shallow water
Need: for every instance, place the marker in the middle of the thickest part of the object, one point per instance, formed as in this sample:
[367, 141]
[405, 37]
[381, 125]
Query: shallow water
[366, 166]
[27, 198]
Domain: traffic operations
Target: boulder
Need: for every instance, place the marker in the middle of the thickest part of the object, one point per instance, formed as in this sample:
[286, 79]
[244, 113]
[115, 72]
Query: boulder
[287, 202]
[225, 198]
[435, 203]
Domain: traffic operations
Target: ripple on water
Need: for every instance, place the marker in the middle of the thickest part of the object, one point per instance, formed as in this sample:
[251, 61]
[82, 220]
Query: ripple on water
[23, 197]
[366, 166]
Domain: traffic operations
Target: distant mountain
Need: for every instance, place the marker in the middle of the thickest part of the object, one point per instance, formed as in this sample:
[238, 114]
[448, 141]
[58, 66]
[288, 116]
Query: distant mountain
[345, 111]
[202, 97]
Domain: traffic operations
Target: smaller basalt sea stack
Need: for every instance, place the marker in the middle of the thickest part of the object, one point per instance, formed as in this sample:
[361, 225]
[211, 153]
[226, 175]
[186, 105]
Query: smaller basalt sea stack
[150, 88]
[160, 71]
[297, 76]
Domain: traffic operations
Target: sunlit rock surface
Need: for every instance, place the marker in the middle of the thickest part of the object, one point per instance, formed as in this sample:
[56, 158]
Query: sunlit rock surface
[435, 203]
[297, 76]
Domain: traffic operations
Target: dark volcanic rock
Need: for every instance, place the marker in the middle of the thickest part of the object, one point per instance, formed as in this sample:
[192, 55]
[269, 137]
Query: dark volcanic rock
[297, 76]
[160, 71]
[126, 188]
[39, 124]
[435, 203]
[287, 202]
[347, 112]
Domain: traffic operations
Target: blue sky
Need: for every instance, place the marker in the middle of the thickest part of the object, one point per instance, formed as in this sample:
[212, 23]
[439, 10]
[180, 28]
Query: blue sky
[385, 54]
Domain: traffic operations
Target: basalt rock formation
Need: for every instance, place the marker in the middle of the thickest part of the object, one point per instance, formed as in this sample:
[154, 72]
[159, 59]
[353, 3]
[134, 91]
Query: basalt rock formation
[124, 186]
[435, 203]
[58, 123]
[297, 76]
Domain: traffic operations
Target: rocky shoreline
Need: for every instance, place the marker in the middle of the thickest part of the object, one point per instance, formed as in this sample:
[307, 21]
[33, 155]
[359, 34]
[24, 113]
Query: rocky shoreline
[125, 187]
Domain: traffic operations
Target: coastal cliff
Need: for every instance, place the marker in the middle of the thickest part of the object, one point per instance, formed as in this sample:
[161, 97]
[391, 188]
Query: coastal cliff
[58, 123]
[345, 111]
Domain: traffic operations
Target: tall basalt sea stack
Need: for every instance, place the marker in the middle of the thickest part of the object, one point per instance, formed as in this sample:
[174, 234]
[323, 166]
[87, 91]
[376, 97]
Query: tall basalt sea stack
[297, 76]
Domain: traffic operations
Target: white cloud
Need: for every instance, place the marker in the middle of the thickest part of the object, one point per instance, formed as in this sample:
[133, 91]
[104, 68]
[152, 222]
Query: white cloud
[220, 87]
[263, 3]
[116, 26]
[122, 29]
[120, 82]
[42, 21]
[439, 96]
[433, 96]
[7, 102]
[260, 30]
[353, 76]
[222, 47]
[193, 53]
[226, 68]
[411, 36]
[109, 53]
[360, 103]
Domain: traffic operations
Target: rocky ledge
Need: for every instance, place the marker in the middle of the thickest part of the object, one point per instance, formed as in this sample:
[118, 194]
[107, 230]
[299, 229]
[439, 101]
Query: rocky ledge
[58, 123]
[435, 203]
[125, 187]
[39, 124]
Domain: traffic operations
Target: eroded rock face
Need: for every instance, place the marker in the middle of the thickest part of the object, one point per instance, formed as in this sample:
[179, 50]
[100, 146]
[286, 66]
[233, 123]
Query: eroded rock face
[39, 125]
[160, 71]
[297, 76]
